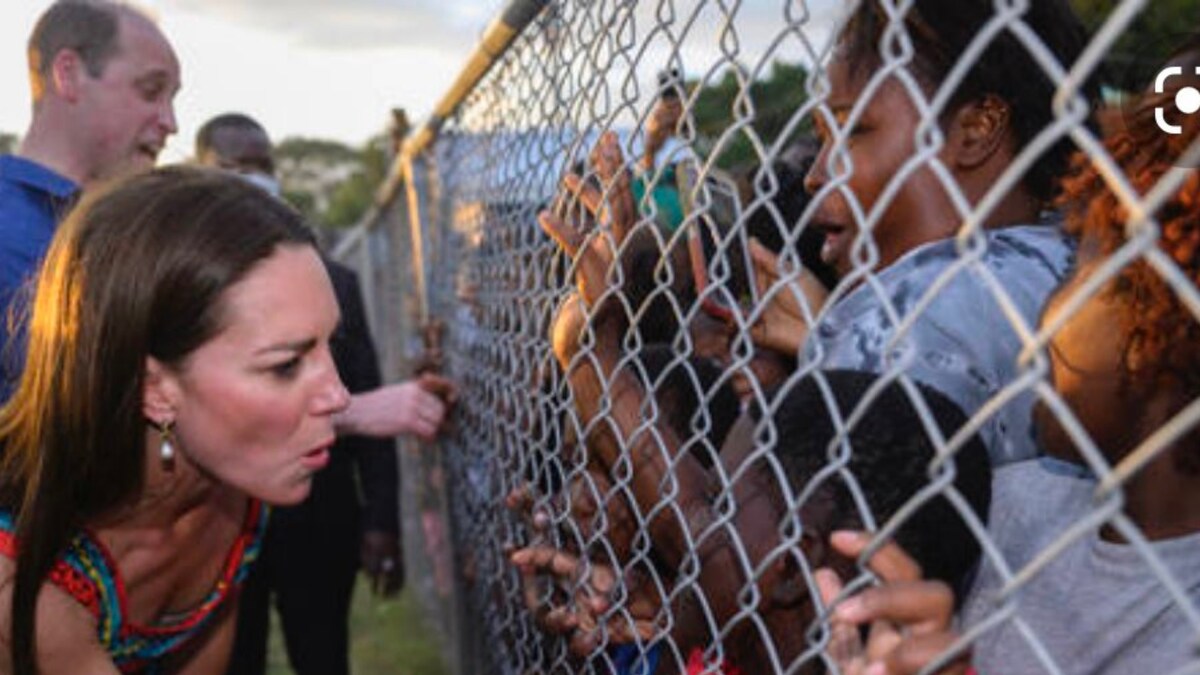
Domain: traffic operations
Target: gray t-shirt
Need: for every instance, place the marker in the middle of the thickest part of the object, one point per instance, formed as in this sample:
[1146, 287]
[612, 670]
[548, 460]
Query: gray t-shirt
[1097, 607]
[962, 343]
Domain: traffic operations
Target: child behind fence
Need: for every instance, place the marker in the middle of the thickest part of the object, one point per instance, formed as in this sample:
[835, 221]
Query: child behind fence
[961, 345]
[1124, 364]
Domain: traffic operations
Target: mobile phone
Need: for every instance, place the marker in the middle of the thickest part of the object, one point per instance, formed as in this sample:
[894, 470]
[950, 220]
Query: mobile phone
[718, 246]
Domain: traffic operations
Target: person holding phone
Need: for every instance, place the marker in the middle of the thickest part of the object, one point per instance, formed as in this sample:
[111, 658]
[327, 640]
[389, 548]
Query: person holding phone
[1126, 363]
[655, 184]
[913, 299]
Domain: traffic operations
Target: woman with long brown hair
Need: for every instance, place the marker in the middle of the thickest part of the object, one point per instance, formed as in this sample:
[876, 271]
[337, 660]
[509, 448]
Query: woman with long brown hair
[178, 375]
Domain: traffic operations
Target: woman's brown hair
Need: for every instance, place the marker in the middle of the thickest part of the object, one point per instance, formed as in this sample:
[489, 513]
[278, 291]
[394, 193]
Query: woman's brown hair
[136, 270]
[1161, 335]
[1164, 333]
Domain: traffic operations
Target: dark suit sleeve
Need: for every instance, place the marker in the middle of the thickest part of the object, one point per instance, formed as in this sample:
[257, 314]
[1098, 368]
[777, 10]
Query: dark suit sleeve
[354, 353]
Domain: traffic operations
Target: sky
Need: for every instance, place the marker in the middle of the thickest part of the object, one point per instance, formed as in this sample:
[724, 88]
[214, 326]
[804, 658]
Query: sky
[316, 68]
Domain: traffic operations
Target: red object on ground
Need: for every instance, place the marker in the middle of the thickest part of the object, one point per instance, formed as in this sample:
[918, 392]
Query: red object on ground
[697, 666]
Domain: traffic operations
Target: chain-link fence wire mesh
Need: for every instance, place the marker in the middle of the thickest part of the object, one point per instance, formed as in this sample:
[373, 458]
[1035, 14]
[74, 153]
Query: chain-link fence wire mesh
[669, 405]
[383, 257]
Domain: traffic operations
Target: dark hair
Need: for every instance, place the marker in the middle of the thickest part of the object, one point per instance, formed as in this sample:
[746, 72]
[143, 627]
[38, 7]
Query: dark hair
[890, 460]
[681, 396]
[204, 137]
[658, 307]
[770, 220]
[940, 33]
[89, 28]
[136, 270]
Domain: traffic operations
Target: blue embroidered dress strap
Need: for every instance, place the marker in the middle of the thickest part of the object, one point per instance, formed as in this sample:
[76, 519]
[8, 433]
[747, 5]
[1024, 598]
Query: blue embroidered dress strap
[87, 572]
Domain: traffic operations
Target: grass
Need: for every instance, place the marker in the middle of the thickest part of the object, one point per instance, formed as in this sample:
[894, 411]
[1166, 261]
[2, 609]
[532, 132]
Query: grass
[387, 637]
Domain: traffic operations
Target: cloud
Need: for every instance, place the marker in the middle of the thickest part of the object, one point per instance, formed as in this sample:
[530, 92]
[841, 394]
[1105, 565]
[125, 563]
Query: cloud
[452, 24]
[354, 24]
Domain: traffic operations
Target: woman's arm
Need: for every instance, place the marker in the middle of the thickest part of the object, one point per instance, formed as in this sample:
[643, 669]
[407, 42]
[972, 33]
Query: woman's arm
[66, 632]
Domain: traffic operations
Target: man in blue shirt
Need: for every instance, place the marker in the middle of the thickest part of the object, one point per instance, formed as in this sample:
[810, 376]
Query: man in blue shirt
[104, 79]
[32, 199]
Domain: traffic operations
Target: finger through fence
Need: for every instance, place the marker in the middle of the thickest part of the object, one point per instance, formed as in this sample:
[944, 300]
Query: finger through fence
[775, 320]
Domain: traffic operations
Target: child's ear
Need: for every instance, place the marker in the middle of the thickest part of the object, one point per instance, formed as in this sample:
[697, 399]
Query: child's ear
[978, 130]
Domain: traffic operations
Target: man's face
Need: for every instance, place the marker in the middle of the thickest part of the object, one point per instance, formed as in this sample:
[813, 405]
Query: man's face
[128, 111]
[240, 149]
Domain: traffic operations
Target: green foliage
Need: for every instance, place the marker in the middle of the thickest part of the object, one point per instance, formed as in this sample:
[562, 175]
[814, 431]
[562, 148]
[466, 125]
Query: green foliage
[314, 148]
[393, 637]
[349, 202]
[332, 184]
[304, 201]
[774, 101]
[353, 197]
[387, 637]
[1146, 43]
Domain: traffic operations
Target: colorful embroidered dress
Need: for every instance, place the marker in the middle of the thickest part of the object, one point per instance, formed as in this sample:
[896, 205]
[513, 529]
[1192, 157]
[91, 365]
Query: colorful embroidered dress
[88, 573]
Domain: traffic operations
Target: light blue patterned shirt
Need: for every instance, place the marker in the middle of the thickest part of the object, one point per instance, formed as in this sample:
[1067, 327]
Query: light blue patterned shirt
[962, 343]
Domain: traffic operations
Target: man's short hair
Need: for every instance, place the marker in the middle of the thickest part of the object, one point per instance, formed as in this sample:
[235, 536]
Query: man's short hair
[90, 28]
[204, 137]
[681, 396]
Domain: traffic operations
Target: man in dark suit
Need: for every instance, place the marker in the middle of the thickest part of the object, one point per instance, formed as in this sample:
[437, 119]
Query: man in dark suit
[312, 551]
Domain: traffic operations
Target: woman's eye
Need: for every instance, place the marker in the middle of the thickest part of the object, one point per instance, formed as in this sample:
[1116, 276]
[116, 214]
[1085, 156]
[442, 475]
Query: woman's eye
[286, 369]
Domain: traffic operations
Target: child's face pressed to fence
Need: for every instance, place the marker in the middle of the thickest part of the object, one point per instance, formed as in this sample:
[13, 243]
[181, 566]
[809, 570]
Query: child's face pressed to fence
[878, 143]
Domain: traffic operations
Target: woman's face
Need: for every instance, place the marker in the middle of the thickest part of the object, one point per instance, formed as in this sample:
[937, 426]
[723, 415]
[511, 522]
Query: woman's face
[254, 405]
[1087, 367]
[878, 145]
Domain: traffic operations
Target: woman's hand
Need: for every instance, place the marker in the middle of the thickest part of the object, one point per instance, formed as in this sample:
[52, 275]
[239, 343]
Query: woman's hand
[910, 619]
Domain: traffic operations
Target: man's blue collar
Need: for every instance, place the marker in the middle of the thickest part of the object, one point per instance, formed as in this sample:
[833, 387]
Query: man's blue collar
[27, 172]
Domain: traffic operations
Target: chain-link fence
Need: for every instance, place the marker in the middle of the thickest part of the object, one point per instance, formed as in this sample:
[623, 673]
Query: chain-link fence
[720, 279]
